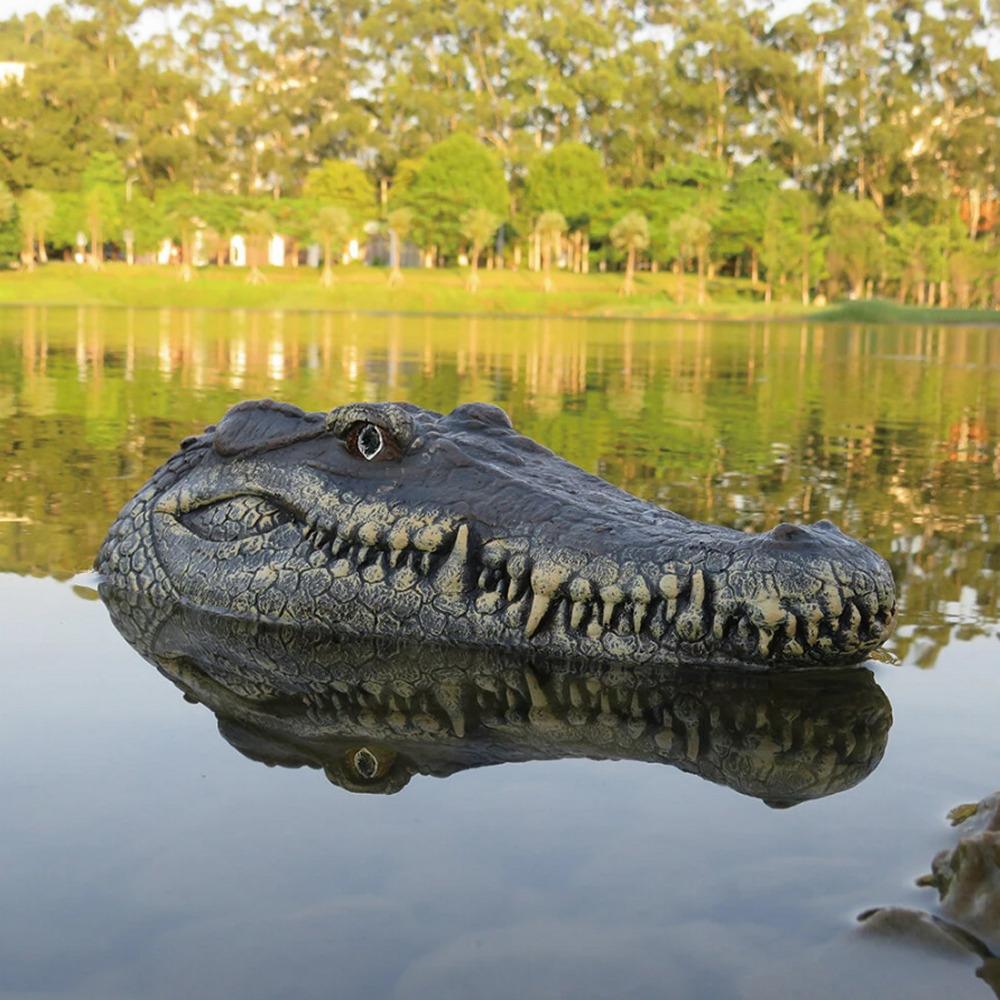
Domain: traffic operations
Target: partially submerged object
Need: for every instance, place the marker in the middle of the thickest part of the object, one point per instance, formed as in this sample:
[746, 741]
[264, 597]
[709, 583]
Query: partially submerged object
[967, 879]
[372, 713]
[390, 520]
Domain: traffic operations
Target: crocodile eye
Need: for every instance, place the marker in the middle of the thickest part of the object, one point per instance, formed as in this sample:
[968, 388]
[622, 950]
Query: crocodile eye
[235, 518]
[371, 442]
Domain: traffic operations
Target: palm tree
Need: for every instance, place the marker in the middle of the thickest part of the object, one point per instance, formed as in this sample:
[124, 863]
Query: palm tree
[400, 222]
[549, 229]
[691, 233]
[631, 234]
[36, 209]
[6, 202]
[478, 227]
[259, 225]
[331, 227]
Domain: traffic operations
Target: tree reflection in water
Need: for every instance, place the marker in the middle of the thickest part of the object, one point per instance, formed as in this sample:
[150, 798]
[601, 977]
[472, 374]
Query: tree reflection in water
[893, 433]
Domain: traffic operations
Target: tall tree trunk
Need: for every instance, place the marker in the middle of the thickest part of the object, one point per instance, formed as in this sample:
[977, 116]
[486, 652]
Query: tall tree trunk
[326, 279]
[754, 268]
[546, 250]
[628, 288]
[395, 272]
[28, 247]
[473, 283]
[96, 245]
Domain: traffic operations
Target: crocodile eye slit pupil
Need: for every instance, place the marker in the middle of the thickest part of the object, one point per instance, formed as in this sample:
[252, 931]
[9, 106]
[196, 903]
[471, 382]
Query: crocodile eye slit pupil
[369, 441]
[366, 763]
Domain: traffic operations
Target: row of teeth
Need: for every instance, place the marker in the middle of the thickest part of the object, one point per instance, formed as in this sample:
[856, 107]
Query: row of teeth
[506, 581]
[677, 723]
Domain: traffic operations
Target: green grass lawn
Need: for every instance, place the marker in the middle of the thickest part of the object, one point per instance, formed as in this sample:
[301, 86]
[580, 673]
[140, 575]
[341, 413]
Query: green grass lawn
[366, 289]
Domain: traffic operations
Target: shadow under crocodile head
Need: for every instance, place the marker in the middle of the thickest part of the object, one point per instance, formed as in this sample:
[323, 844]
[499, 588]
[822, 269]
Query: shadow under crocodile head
[387, 519]
[372, 713]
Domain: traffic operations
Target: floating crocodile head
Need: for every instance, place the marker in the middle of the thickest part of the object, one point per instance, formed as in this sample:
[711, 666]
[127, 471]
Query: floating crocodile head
[391, 520]
[372, 713]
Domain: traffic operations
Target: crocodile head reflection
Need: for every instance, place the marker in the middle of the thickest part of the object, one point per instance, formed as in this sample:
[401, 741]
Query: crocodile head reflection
[373, 713]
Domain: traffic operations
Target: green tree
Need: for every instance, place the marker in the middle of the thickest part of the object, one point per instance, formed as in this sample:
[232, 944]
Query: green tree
[336, 182]
[454, 176]
[35, 210]
[259, 226]
[630, 234]
[549, 229]
[103, 184]
[478, 227]
[331, 228]
[855, 245]
[691, 234]
[399, 222]
[8, 234]
[571, 180]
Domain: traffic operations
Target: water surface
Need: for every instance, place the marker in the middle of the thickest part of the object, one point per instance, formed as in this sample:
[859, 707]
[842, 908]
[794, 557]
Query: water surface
[142, 855]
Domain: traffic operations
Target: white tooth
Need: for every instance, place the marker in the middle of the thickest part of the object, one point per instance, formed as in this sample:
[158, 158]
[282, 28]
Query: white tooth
[535, 692]
[546, 579]
[594, 630]
[394, 555]
[718, 624]
[539, 605]
[576, 615]
[484, 579]
[451, 576]
[610, 595]
[425, 563]
[641, 596]
[362, 553]
[697, 589]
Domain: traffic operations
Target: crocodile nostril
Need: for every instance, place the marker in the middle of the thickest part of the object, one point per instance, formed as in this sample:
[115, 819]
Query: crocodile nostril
[789, 533]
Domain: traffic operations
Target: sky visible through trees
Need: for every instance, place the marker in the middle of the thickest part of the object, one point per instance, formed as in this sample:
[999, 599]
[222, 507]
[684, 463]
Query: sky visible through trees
[847, 148]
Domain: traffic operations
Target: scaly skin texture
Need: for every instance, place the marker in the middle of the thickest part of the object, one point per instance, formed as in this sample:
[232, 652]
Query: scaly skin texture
[372, 713]
[461, 530]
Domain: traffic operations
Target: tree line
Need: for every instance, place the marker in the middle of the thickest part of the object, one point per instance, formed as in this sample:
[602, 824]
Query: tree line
[847, 149]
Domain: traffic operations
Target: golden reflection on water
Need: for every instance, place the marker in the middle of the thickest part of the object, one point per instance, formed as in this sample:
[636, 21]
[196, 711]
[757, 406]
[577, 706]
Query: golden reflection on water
[893, 433]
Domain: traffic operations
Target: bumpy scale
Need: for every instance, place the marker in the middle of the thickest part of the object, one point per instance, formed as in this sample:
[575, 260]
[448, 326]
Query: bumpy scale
[390, 520]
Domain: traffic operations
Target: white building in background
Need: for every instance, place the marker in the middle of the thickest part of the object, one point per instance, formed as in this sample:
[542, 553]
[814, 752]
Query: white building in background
[314, 255]
[165, 253]
[238, 251]
[276, 251]
[12, 72]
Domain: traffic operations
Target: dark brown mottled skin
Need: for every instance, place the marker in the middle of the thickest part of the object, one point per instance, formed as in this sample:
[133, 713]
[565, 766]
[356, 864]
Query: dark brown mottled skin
[390, 520]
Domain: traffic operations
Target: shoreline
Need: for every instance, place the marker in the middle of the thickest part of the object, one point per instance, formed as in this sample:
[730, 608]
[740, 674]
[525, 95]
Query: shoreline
[515, 295]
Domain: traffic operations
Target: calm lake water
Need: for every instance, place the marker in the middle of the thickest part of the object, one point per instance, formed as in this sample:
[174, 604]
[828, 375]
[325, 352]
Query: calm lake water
[147, 850]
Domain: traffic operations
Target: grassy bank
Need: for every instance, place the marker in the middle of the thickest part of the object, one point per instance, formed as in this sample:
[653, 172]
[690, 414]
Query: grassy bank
[439, 291]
